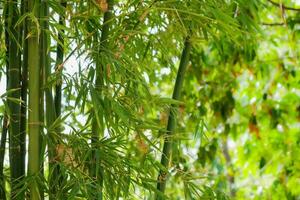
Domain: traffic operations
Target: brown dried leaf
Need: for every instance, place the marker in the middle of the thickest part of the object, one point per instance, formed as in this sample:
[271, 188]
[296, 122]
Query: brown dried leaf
[103, 5]
[253, 128]
[65, 155]
[141, 145]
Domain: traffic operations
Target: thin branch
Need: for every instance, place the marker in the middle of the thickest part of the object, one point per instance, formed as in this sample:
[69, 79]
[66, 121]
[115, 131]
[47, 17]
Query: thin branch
[283, 6]
[280, 23]
[273, 24]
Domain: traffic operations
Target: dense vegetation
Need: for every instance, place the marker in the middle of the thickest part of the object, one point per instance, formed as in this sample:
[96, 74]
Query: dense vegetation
[149, 99]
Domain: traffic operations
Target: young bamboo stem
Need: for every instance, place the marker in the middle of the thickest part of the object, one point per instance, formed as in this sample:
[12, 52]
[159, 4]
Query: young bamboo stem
[34, 93]
[96, 170]
[168, 141]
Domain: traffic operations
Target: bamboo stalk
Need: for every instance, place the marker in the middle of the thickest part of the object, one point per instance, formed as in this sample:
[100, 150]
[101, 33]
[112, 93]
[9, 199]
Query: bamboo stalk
[5, 120]
[34, 93]
[96, 170]
[41, 115]
[45, 67]
[59, 62]
[41, 96]
[168, 141]
[2, 154]
[17, 164]
[24, 86]
[50, 114]
[56, 178]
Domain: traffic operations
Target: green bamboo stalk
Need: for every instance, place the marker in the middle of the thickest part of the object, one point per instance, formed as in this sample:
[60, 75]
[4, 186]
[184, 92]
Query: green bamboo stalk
[96, 170]
[59, 62]
[168, 141]
[2, 154]
[24, 86]
[41, 115]
[5, 120]
[56, 178]
[34, 93]
[16, 158]
[44, 68]
[41, 100]
[49, 115]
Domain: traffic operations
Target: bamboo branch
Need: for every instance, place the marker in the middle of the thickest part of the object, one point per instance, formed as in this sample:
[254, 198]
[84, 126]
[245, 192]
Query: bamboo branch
[168, 141]
[280, 23]
[273, 24]
[280, 5]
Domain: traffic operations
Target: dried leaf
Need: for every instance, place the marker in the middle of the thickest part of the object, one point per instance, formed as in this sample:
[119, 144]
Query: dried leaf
[141, 145]
[103, 5]
[253, 128]
[65, 155]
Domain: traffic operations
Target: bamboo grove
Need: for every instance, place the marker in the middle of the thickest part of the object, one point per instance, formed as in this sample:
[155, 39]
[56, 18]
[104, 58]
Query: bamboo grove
[87, 112]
